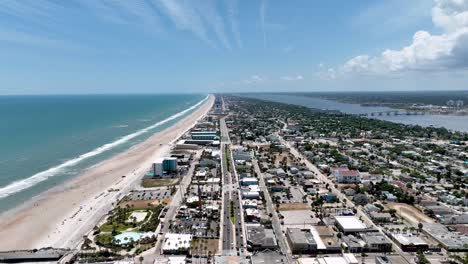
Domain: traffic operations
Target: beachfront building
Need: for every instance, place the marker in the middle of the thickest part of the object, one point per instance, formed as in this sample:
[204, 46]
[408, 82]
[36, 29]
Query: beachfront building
[164, 165]
[205, 135]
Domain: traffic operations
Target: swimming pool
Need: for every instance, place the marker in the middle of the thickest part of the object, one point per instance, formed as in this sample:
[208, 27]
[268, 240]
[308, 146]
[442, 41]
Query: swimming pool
[126, 237]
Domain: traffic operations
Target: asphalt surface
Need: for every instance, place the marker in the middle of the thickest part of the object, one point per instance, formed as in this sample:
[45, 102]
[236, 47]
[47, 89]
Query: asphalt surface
[227, 228]
[275, 219]
[175, 203]
[231, 193]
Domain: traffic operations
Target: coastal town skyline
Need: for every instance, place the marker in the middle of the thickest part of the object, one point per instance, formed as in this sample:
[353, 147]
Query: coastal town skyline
[156, 46]
[234, 131]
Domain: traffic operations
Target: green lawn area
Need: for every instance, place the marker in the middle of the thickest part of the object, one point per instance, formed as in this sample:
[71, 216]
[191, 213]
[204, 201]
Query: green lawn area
[118, 227]
[104, 239]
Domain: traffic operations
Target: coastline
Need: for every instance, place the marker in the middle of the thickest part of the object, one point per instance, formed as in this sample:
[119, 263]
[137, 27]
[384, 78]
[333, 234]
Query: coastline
[60, 216]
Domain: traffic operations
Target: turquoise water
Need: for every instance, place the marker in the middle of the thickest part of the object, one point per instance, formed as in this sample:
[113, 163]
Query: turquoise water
[45, 140]
[127, 236]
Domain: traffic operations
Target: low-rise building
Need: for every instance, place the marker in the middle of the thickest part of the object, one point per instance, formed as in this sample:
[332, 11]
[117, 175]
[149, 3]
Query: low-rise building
[249, 181]
[380, 217]
[376, 242]
[410, 243]
[344, 175]
[177, 243]
[451, 241]
[349, 224]
[300, 241]
[260, 238]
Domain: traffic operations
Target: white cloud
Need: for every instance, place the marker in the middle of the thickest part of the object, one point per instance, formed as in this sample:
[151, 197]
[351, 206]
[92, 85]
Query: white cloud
[292, 78]
[263, 7]
[142, 12]
[198, 17]
[185, 18]
[233, 20]
[207, 10]
[450, 15]
[446, 51]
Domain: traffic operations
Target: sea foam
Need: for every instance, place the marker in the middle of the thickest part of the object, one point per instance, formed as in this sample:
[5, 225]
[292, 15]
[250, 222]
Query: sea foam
[23, 184]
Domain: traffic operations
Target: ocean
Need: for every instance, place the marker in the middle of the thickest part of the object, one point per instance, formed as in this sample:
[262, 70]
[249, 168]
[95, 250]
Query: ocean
[46, 140]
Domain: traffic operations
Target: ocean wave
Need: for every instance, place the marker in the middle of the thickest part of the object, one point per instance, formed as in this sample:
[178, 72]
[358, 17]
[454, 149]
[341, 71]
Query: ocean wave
[23, 184]
[120, 126]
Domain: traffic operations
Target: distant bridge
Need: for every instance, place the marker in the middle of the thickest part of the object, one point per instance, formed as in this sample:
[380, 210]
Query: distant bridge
[393, 112]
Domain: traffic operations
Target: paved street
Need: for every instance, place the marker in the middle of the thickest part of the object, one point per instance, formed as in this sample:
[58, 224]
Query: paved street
[275, 219]
[176, 202]
[233, 233]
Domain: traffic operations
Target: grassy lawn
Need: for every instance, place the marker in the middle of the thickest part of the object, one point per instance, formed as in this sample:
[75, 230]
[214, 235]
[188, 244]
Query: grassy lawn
[118, 227]
[104, 239]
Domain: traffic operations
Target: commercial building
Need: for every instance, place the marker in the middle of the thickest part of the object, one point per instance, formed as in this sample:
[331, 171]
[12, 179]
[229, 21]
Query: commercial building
[451, 241]
[410, 243]
[249, 181]
[250, 195]
[300, 241]
[376, 242]
[260, 238]
[205, 135]
[177, 243]
[346, 258]
[349, 224]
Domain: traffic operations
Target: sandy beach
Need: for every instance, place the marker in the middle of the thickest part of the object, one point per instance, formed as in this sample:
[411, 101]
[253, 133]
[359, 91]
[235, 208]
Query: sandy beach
[61, 216]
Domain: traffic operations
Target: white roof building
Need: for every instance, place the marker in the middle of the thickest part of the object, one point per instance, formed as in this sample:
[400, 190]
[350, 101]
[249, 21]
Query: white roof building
[346, 258]
[350, 224]
[175, 243]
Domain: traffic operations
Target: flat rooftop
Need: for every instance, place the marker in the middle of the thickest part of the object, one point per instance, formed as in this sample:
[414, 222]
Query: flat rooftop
[350, 223]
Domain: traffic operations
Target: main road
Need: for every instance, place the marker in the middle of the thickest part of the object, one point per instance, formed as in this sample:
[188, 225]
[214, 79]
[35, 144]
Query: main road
[232, 227]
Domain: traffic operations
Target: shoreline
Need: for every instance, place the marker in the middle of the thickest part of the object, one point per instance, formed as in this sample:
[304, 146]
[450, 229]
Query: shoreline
[60, 216]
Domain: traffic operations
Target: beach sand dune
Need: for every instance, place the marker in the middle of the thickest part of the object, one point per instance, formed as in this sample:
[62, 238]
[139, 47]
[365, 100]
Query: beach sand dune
[61, 216]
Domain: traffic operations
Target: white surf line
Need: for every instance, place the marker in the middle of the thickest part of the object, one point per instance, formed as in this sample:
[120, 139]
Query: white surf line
[23, 184]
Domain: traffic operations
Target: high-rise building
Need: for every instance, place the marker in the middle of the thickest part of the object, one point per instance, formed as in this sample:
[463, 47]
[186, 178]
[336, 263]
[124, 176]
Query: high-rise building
[164, 165]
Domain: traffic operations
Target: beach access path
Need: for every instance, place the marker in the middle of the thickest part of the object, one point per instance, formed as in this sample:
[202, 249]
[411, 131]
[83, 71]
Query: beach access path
[61, 216]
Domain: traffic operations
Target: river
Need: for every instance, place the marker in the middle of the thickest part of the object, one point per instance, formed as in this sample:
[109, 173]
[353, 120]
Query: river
[451, 122]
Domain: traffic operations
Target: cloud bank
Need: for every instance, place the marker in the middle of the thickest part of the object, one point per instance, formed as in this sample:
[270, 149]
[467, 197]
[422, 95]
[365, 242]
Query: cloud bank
[427, 52]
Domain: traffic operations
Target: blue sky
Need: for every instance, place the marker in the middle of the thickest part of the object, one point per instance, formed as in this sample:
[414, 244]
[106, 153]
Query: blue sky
[171, 46]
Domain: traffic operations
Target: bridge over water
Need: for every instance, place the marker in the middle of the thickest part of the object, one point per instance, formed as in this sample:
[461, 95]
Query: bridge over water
[393, 112]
